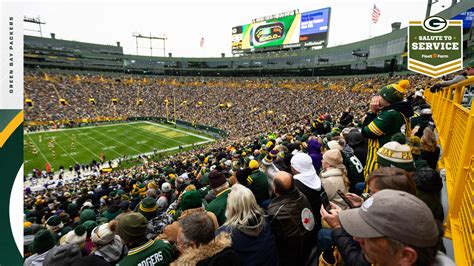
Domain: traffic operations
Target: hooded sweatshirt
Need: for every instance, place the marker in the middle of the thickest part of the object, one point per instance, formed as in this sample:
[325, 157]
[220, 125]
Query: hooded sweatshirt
[314, 151]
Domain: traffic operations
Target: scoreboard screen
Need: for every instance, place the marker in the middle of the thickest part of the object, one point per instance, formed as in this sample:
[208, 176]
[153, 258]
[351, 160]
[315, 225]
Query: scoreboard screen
[294, 30]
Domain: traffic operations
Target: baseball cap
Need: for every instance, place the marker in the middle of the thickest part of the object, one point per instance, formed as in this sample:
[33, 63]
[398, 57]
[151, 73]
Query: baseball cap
[394, 214]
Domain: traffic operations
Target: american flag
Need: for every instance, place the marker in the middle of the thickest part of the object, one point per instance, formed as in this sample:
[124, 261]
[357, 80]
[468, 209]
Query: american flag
[201, 43]
[375, 14]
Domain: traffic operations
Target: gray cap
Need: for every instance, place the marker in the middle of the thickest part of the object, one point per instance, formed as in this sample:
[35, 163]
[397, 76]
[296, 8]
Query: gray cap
[394, 214]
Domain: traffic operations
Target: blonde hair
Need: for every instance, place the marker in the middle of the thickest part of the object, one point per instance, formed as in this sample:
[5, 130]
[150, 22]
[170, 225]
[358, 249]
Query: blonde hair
[428, 140]
[241, 207]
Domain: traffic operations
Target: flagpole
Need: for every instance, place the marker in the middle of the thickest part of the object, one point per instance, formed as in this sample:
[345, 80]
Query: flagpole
[202, 61]
[371, 22]
[370, 28]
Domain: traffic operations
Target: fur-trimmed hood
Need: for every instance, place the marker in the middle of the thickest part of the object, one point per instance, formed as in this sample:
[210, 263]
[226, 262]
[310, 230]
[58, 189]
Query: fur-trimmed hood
[194, 255]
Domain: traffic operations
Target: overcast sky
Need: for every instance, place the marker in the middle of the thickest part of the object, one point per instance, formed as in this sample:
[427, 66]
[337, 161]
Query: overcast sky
[185, 22]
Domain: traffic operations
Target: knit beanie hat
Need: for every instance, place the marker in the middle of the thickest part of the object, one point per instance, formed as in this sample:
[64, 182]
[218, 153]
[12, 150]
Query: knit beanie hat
[354, 138]
[54, 223]
[394, 154]
[400, 138]
[394, 92]
[124, 205]
[103, 234]
[89, 225]
[162, 203]
[44, 240]
[131, 227]
[77, 237]
[87, 215]
[190, 200]
[333, 144]
[216, 179]
[253, 164]
[166, 187]
[152, 185]
[242, 176]
[333, 157]
[148, 207]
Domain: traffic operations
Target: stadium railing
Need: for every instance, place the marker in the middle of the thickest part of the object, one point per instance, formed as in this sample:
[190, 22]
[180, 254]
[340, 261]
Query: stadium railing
[455, 127]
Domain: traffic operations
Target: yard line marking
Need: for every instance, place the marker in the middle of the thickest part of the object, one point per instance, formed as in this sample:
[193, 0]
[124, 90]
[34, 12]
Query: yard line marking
[93, 154]
[163, 136]
[165, 144]
[134, 140]
[78, 128]
[103, 145]
[179, 130]
[66, 152]
[118, 141]
[38, 148]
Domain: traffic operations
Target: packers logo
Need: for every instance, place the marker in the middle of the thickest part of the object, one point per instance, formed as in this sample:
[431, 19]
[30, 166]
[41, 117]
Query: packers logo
[435, 24]
[269, 32]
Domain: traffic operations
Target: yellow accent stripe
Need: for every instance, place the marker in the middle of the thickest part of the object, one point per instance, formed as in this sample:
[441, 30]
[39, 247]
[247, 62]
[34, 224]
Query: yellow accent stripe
[457, 62]
[250, 180]
[147, 209]
[222, 192]
[10, 128]
[374, 129]
[435, 74]
[290, 32]
[377, 128]
[455, 22]
[134, 251]
[415, 22]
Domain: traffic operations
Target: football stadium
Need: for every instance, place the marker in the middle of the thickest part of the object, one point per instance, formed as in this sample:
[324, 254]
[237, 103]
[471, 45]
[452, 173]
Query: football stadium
[288, 152]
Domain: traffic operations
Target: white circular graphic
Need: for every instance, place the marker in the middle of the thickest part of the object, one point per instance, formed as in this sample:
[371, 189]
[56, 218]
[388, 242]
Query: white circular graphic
[307, 219]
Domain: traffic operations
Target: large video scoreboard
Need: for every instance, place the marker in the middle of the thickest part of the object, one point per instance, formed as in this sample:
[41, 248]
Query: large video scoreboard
[285, 30]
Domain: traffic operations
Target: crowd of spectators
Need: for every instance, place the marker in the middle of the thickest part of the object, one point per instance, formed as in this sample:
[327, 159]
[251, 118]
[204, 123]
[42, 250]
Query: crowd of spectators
[281, 190]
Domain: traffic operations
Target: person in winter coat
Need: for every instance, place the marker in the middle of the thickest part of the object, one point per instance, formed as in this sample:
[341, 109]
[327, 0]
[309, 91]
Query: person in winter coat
[355, 169]
[388, 113]
[429, 185]
[292, 221]
[429, 149]
[314, 151]
[190, 203]
[334, 177]
[109, 249]
[308, 182]
[43, 242]
[251, 234]
[257, 182]
[198, 245]
[359, 144]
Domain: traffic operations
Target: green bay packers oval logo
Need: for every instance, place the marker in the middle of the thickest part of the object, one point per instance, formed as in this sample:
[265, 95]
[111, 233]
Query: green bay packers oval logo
[269, 32]
[435, 24]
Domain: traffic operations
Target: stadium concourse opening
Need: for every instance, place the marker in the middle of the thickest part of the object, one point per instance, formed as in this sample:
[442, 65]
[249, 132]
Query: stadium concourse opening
[277, 157]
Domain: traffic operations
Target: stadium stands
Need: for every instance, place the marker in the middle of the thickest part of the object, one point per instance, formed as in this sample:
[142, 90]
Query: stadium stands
[269, 120]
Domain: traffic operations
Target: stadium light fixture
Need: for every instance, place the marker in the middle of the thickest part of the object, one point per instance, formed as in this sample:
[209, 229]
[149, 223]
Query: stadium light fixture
[151, 38]
[36, 21]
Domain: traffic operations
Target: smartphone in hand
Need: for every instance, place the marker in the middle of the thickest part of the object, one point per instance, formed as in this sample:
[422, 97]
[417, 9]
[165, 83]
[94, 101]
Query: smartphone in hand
[325, 201]
[345, 199]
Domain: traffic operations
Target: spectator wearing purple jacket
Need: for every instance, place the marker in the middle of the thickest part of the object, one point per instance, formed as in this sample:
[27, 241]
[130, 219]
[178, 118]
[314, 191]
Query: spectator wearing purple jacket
[314, 150]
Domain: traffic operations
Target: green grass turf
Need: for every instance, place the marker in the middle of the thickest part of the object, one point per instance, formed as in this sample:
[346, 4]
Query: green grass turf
[112, 140]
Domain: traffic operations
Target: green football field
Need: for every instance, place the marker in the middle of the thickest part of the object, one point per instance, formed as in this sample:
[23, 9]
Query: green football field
[67, 146]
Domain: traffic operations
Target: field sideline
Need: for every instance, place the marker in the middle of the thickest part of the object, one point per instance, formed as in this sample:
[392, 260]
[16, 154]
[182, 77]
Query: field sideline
[83, 144]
